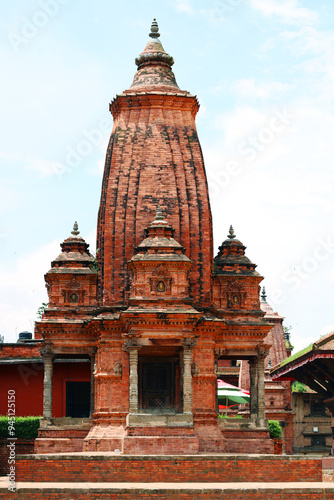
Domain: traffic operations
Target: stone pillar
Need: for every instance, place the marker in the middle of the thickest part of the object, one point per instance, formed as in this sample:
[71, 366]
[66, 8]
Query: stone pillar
[261, 401]
[133, 387]
[187, 376]
[92, 381]
[253, 388]
[47, 387]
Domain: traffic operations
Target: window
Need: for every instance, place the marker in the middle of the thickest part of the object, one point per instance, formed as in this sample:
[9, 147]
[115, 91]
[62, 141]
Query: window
[317, 409]
[73, 298]
[318, 441]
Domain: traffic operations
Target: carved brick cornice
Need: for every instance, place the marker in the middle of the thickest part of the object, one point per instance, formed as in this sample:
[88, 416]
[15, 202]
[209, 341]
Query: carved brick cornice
[143, 100]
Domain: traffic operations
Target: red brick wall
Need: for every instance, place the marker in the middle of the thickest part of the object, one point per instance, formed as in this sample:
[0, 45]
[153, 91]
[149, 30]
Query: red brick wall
[169, 469]
[19, 351]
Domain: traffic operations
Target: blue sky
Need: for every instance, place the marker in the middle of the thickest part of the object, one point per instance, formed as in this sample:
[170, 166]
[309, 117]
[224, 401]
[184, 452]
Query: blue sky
[263, 71]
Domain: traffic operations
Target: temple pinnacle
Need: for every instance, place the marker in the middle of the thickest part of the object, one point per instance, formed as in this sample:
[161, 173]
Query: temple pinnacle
[159, 215]
[264, 295]
[154, 29]
[231, 234]
[75, 231]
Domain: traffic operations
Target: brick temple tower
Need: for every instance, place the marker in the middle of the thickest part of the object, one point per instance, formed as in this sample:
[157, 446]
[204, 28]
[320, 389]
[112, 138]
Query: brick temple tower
[154, 157]
[165, 312]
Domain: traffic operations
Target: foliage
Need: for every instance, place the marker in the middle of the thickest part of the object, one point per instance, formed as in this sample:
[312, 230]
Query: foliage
[95, 262]
[222, 415]
[298, 387]
[41, 309]
[24, 427]
[275, 429]
[298, 354]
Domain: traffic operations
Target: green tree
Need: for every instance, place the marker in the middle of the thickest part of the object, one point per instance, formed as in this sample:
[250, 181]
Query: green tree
[41, 309]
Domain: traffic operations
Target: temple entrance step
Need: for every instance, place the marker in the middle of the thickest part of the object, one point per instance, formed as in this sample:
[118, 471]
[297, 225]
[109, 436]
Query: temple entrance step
[164, 491]
[57, 439]
[115, 467]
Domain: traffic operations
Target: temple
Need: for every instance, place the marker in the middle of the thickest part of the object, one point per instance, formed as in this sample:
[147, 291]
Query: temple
[153, 316]
[277, 393]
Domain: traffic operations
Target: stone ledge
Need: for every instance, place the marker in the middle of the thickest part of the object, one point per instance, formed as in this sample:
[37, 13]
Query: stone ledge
[152, 420]
[180, 491]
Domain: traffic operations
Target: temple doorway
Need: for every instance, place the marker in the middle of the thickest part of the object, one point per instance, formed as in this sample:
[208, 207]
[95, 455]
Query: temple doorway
[77, 399]
[159, 381]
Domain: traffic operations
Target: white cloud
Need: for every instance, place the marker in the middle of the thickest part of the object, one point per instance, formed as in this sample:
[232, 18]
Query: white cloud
[22, 289]
[325, 330]
[184, 6]
[305, 41]
[45, 168]
[252, 88]
[284, 196]
[288, 11]
[242, 121]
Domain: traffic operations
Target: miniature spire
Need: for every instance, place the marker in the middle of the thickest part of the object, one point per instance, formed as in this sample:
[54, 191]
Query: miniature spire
[264, 295]
[231, 234]
[159, 215]
[75, 231]
[269, 364]
[154, 29]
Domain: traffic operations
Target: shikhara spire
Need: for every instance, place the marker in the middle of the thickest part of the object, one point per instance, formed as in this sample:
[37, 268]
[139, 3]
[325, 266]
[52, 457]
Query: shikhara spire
[154, 157]
[154, 29]
[231, 234]
[159, 214]
[264, 294]
[75, 231]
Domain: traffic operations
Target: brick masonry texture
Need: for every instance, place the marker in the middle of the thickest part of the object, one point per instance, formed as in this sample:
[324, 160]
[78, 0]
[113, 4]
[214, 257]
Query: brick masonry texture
[221, 493]
[8, 351]
[22, 446]
[154, 157]
[68, 468]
